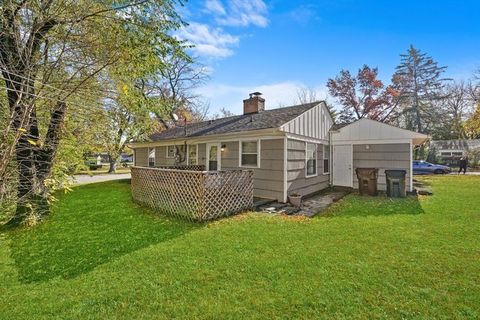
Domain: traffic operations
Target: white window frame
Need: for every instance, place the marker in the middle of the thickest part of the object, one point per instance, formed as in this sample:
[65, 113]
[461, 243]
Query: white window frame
[196, 153]
[323, 159]
[154, 157]
[240, 153]
[306, 159]
[168, 155]
[219, 156]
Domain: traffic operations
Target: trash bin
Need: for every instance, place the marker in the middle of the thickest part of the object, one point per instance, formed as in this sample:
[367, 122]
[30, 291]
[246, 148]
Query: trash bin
[367, 181]
[396, 187]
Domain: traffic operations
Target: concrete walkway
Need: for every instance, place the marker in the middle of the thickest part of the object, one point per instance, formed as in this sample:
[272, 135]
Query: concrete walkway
[471, 173]
[84, 179]
[310, 207]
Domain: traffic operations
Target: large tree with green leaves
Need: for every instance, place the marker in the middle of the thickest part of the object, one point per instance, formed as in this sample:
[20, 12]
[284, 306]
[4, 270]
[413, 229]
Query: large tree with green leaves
[53, 52]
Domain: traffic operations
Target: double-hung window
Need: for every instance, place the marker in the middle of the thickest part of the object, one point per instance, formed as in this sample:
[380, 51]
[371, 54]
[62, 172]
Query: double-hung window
[249, 152]
[192, 154]
[151, 157]
[171, 151]
[311, 159]
[326, 159]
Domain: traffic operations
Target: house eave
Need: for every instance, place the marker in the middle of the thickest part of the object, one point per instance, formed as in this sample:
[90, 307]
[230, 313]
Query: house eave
[210, 138]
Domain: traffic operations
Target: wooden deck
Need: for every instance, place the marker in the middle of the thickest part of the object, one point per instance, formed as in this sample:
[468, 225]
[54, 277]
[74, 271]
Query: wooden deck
[192, 194]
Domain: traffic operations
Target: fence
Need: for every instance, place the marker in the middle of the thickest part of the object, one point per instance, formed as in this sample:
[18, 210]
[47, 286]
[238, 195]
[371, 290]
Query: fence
[193, 195]
[191, 167]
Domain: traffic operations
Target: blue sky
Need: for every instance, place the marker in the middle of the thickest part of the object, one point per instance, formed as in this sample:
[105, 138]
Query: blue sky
[277, 46]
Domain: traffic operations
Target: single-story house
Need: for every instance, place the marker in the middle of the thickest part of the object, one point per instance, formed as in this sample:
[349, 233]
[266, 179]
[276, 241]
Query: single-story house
[289, 149]
[450, 151]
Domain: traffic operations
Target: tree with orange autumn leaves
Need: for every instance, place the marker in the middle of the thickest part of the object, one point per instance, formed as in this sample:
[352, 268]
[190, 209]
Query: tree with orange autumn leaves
[363, 96]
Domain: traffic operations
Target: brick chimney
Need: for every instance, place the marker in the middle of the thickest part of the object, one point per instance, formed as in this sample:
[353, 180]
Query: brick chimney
[254, 104]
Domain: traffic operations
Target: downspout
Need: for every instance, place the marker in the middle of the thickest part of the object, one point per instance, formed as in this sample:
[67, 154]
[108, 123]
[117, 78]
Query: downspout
[285, 169]
[330, 163]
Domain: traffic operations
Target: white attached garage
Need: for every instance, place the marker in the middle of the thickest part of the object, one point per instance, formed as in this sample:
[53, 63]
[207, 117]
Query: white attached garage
[371, 144]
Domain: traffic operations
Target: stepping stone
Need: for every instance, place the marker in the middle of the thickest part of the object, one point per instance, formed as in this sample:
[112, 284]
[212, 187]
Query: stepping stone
[290, 210]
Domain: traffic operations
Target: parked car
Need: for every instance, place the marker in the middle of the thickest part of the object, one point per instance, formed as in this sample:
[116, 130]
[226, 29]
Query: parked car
[93, 163]
[423, 167]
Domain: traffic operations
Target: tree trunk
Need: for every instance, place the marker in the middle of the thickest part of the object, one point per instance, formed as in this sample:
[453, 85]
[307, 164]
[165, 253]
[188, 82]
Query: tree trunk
[113, 165]
[34, 166]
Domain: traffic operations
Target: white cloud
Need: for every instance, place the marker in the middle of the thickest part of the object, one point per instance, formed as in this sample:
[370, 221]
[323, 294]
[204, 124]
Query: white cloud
[303, 14]
[276, 95]
[208, 41]
[238, 13]
[214, 7]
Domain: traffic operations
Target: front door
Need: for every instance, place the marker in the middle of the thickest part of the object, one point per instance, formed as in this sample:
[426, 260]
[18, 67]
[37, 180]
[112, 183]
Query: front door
[213, 156]
[342, 165]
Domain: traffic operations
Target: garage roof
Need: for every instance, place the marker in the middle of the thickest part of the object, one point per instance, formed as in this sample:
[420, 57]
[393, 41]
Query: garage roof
[367, 130]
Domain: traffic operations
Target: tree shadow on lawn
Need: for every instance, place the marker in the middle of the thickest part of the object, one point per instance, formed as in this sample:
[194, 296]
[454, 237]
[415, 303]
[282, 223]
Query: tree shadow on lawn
[357, 205]
[92, 225]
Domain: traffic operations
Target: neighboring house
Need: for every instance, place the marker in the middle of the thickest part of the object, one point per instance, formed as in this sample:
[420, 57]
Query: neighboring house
[125, 157]
[450, 151]
[287, 148]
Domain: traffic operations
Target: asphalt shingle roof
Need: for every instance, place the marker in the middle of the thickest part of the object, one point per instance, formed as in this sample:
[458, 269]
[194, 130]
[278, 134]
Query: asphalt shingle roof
[273, 118]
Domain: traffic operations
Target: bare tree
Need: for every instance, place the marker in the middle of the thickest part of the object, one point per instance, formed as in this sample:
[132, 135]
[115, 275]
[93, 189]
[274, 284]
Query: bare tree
[306, 95]
[222, 113]
[174, 87]
[455, 107]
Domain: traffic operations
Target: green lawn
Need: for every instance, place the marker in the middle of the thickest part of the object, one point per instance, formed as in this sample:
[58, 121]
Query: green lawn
[100, 257]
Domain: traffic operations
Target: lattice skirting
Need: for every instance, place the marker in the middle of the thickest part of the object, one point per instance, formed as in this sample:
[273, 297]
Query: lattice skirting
[193, 195]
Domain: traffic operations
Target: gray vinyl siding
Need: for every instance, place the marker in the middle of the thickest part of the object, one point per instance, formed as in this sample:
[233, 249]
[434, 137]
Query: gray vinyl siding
[141, 157]
[383, 157]
[161, 156]
[296, 180]
[268, 178]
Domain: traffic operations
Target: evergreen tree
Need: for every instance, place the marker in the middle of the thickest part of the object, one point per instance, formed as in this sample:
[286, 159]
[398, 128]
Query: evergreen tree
[419, 83]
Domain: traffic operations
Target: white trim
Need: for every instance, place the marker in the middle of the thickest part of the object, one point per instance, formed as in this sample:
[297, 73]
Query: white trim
[167, 155]
[351, 165]
[188, 153]
[306, 160]
[298, 137]
[154, 156]
[285, 169]
[240, 152]
[323, 159]
[376, 141]
[219, 156]
[411, 167]
[331, 158]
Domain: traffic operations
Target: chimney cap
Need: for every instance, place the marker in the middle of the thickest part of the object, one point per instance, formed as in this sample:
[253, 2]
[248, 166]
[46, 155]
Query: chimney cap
[255, 94]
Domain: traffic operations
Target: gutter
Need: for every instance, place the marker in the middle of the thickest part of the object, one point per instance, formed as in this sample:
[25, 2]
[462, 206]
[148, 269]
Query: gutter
[208, 138]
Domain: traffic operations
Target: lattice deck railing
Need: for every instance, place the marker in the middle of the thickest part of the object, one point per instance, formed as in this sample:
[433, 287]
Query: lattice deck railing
[192, 167]
[193, 195]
